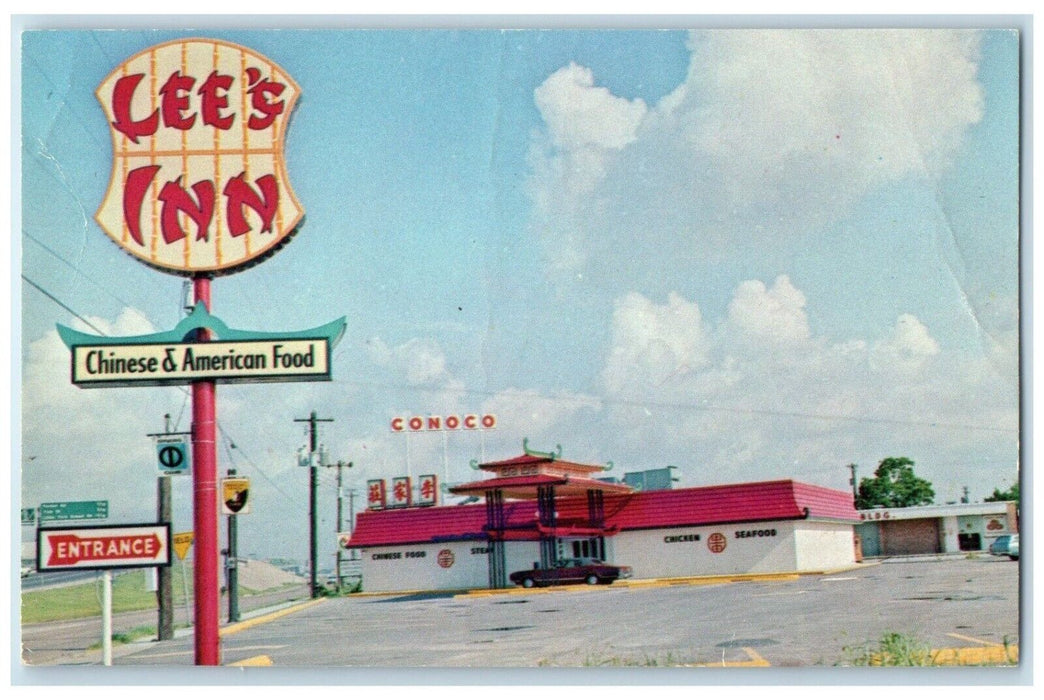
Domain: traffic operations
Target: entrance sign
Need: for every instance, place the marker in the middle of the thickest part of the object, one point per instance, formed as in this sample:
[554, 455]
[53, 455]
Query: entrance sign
[199, 181]
[103, 547]
[74, 510]
[172, 455]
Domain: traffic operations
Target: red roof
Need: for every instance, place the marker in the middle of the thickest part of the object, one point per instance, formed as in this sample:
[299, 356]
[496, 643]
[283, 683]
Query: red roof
[705, 505]
[521, 459]
[530, 481]
[525, 487]
[528, 460]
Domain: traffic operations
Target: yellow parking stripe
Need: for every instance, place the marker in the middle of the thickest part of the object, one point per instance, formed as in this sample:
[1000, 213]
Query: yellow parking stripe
[989, 655]
[973, 640]
[261, 660]
[993, 655]
[755, 661]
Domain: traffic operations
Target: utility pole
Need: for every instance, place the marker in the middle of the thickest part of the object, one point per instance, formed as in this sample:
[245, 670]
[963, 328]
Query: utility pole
[164, 514]
[351, 513]
[232, 566]
[340, 495]
[312, 489]
[855, 491]
[165, 584]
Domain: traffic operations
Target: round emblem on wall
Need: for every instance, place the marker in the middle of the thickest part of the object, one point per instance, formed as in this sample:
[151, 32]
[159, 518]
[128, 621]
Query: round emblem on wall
[445, 558]
[716, 543]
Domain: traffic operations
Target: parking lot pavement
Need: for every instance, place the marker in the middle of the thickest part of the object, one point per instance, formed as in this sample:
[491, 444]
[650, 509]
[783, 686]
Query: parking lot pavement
[820, 621]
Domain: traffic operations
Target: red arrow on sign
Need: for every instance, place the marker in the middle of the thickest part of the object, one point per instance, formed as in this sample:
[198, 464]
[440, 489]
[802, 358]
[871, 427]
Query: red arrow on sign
[67, 550]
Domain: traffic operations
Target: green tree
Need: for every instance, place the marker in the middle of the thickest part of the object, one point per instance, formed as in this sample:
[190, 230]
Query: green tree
[1011, 494]
[894, 485]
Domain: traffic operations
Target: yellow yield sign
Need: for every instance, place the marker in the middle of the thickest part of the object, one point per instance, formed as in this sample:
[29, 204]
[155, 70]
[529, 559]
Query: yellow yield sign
[182, 543]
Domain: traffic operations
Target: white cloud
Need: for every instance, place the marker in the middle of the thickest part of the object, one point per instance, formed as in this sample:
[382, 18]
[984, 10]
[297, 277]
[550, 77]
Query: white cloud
[845, 108]
[418, 361]
[652, 344]
[771, 315]
[771, 136]
[85, 444]
[580, 115]
[907, 347]
[765, 396]
[539, 416]
[586, 125]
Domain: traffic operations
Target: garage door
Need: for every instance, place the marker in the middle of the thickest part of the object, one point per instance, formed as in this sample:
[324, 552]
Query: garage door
[910, 537]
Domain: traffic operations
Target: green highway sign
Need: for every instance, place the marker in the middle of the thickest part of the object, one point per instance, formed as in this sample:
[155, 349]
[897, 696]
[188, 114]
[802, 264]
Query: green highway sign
[28, 516]
[74, 510]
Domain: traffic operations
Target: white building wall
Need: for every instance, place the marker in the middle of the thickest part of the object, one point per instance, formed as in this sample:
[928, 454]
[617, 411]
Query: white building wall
[748, 548]
[520, 556]
[417, 567]
[661, 553]
[949, 530]
[822, 546]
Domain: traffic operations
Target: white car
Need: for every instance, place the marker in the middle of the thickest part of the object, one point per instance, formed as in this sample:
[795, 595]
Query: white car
[1013, 548]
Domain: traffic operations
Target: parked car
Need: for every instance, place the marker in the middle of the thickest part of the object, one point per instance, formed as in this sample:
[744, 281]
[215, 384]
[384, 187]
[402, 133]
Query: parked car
[999, 547]
[565, 571]
[1013, 548]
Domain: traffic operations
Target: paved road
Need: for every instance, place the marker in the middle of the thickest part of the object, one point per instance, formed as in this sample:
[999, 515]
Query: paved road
[808, 621]
[70, 642]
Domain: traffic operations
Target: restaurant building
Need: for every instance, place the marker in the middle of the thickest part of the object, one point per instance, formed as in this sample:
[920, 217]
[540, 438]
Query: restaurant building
[538, 508]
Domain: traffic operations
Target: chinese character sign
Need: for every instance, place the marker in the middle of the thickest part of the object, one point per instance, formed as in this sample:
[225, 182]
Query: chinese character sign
[198, 180]
[376, 497]
[401, 492]
[428, 490]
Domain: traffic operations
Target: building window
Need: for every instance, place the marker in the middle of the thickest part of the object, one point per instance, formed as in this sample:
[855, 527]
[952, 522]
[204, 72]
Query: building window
[969, 542]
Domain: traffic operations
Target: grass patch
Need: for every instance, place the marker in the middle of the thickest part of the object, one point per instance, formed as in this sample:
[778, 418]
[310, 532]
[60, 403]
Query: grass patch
[895, 649]
[668, 660]
[85, 600]
[608, 659]
[142, 632]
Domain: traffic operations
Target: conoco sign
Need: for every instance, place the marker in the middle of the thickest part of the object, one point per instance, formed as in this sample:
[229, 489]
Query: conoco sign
[199, 182]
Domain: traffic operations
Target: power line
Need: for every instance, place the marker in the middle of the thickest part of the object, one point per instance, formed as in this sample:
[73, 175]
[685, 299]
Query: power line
[57, 301]
[81, 273]
[224, 432]
[686, 407]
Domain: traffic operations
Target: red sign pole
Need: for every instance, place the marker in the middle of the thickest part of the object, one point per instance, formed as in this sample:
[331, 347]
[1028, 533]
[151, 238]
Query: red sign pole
[205, 504]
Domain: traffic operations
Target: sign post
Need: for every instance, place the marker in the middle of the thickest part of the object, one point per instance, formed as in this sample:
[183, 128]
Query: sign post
[107, 618]
[204, 503]
[104, 547]
[199, 188]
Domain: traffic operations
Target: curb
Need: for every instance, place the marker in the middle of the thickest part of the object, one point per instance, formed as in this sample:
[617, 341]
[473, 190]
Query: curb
[267, 617]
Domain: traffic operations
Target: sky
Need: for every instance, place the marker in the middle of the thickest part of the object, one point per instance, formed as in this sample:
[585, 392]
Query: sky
[749, 254]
